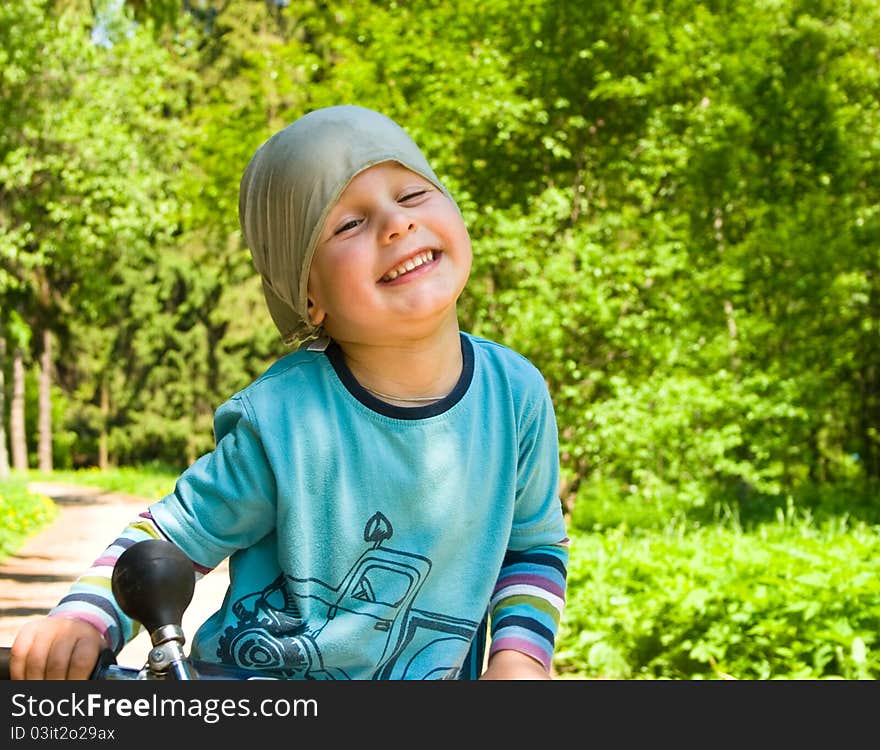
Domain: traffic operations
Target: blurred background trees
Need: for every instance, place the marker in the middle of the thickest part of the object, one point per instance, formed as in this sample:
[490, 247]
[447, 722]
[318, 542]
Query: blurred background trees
[675, 209]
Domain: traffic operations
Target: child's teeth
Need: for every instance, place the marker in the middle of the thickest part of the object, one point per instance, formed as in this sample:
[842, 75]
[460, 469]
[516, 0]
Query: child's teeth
[410, 265]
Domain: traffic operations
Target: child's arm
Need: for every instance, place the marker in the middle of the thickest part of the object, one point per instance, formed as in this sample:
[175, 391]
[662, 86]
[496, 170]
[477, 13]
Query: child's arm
[525, 611]
[514, 665]
[529, 595]
[67, 642]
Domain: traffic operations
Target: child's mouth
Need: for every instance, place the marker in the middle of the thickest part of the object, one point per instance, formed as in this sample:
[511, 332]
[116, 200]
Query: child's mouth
[409, 265]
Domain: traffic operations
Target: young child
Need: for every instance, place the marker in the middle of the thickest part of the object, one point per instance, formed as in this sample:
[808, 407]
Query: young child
[388, 493]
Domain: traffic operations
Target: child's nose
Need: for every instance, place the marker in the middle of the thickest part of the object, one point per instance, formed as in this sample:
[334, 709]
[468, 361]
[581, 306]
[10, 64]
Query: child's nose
[398, 224]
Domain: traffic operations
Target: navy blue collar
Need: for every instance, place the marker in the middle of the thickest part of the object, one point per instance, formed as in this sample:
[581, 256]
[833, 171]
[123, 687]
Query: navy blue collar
[334, 354]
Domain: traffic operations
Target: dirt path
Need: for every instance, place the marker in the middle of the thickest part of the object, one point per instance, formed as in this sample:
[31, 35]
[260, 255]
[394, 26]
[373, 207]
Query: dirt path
[33, 580]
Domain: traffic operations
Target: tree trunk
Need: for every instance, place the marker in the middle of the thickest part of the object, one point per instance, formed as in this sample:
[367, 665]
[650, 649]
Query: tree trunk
[16, 413]
[4, 454]
[44, 448]
[103, 452]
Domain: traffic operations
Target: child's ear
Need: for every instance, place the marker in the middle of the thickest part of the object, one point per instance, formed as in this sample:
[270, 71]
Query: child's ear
[316, 313]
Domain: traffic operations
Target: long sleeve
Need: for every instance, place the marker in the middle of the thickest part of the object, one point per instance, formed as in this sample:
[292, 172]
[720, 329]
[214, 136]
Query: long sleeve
[528, 600]
[90, 598]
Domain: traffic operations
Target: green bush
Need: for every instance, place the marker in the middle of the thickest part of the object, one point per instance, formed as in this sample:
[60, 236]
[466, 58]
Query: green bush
[22, 513]
[791, 599]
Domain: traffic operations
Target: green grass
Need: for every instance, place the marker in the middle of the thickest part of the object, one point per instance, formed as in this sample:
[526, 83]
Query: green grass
[22, 513]
[150, 482]
[797, 597]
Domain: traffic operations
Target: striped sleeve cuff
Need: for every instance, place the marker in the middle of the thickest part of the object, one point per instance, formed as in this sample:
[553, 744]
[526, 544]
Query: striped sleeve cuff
[528, 601]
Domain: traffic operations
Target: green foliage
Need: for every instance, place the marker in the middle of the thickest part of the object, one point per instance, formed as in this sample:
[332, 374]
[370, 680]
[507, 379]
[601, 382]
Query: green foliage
[22, 513]
[674, 212]
[791, 600]
[671, 213]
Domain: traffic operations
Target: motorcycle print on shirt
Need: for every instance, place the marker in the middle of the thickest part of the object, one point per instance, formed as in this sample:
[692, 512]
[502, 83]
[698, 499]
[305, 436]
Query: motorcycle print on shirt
[372, 609]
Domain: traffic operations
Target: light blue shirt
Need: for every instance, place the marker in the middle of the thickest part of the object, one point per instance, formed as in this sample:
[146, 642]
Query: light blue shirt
[365, 540]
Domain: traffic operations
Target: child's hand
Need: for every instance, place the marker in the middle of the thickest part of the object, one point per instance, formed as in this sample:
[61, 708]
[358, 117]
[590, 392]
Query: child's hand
[513, 665]
[55, 648]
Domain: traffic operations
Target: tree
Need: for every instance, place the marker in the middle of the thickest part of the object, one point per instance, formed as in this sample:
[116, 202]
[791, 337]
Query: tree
[88, 176]
[4, 453]
[673, 209]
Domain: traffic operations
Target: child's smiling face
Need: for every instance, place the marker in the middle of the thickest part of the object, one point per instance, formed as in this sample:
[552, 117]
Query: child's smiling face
[392, 258]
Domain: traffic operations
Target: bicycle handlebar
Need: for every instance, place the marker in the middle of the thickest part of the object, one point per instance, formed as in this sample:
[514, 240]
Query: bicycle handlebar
[106, 664]
[108, 669]
[153, 583]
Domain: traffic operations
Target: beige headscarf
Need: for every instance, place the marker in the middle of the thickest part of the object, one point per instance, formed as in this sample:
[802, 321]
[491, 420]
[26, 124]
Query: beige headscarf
[289, 187]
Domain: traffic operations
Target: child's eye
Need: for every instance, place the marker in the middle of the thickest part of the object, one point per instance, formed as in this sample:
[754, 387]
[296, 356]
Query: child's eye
[351, 224]
[412, 195]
